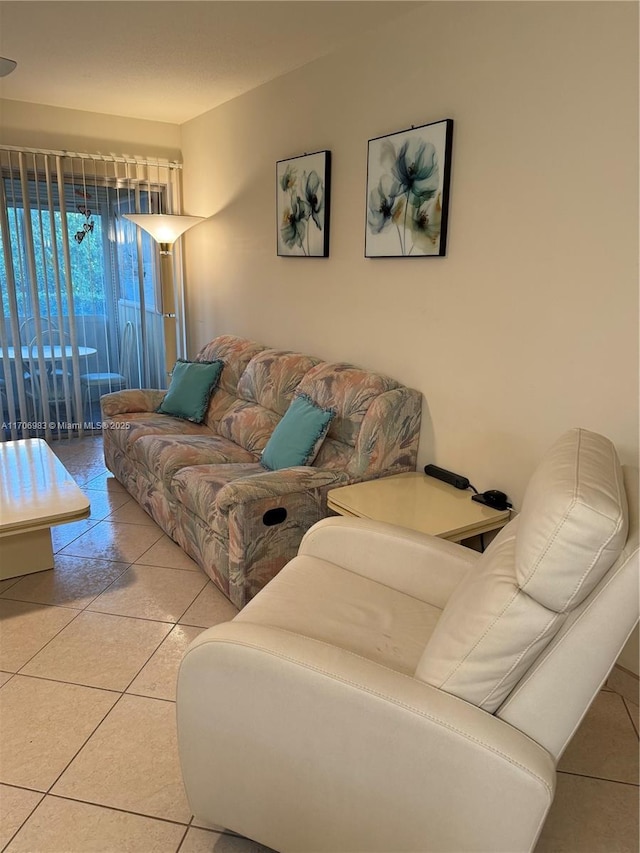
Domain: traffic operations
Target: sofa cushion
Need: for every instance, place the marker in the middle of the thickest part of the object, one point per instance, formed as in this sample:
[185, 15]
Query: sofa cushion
[272, 377]
[192, 383]
[537, 569]
[297, 438]
[125, 430]
[164, 456]
[349, 391]
[248, 425]
[236, 353]
[264, 393]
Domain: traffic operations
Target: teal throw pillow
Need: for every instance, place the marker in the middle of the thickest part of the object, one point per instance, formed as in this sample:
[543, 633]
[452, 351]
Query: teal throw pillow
[192, 383]
[297, 438]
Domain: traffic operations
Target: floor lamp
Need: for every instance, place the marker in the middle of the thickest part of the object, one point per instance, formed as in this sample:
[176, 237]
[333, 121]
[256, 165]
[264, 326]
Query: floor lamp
[166, 228]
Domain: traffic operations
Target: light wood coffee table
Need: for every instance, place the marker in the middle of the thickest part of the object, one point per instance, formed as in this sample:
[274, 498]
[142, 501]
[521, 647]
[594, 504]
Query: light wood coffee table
[36, 492]
[420, 503]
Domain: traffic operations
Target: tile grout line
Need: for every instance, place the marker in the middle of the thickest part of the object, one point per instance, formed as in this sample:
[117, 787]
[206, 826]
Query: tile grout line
[599, 778]
[77, 613]
[26, 818]
[148, 661]
[626, 703]
[182, 840]
[84, 743]
[106, 521]
[68, 606]
[69, 683]
[70, 799]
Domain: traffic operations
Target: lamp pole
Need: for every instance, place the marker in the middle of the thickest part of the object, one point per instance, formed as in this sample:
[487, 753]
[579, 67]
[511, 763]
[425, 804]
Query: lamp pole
[166, 228]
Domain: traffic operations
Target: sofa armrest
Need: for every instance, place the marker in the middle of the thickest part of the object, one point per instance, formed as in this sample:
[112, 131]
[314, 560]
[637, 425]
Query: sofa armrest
[305, 746]
[417, 564]
[131, 400]
[270, 484]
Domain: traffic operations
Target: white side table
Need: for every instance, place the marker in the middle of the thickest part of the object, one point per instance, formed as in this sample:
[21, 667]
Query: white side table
[420, 503]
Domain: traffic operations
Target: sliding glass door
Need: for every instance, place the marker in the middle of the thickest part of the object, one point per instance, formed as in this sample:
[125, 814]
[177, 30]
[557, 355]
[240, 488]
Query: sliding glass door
[80, 292]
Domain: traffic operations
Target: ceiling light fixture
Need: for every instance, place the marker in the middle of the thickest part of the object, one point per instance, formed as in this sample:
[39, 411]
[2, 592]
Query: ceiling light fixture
[6, 66]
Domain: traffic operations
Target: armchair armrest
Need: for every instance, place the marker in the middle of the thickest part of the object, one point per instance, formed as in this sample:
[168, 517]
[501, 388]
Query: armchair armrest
[417, 564]
[397, 764]
[272, 484]
[131, 400]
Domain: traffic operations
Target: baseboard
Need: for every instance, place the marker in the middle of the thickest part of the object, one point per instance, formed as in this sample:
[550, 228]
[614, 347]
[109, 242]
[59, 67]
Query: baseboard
[625, 683]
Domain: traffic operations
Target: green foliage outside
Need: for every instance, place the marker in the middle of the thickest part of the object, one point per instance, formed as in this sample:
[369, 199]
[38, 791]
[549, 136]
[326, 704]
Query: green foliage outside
[87, 264]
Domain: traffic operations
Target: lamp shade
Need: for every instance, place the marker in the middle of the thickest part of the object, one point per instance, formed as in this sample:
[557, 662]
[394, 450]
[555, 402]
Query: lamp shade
[165, 228]
[6, 66]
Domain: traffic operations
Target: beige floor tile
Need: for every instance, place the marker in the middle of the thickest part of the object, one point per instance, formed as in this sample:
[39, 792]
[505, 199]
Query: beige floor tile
[104, 503]
[206, 841]
[4, 677]
[60, 825]
[63, 534]
[83, 474]
[16, 805]
[131, 762]
[88, 446]
[44, 724]
[79, 466]
[634, 713]
[74, 582]
[625, 683]
[66, 448]
[151, 592]
[106, 482]
[166, 553]
[606, 744]
[591, 816]
[210, 608]
[132, 513]
[114, 541]
[158, 678]
[26, 628]
[4, 585]
[99, 650]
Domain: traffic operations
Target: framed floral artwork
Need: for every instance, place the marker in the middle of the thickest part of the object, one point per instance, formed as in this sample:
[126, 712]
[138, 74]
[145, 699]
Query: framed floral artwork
[408, 176]
[302, 205]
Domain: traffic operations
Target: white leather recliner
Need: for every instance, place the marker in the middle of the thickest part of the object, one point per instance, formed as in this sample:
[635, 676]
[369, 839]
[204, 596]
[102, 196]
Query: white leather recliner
[390, 691]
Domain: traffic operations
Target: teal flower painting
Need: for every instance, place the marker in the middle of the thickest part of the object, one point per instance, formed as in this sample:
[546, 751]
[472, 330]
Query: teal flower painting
[302, 205]
[408, 177]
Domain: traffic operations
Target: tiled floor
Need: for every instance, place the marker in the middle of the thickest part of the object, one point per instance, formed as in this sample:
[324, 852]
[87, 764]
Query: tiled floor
[88, 659]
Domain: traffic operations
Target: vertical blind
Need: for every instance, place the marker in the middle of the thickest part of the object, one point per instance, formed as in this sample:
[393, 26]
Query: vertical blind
[81, 295]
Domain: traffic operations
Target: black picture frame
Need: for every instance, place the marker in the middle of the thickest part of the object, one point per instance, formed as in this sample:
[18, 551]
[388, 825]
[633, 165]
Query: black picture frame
[303, 193]
[408, 182]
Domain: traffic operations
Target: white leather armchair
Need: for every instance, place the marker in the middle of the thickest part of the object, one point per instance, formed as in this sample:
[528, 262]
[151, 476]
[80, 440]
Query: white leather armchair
[390, 691]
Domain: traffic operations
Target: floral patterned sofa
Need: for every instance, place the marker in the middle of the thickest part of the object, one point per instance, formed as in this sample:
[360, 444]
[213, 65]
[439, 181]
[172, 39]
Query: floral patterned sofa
[204, 484]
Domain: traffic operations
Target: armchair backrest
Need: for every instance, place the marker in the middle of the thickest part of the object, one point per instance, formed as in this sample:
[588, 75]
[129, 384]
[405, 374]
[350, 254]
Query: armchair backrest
[550, 700]
[542, 583]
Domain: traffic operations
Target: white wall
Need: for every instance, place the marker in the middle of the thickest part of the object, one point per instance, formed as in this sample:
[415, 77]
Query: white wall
[530, 325]
[39, 126]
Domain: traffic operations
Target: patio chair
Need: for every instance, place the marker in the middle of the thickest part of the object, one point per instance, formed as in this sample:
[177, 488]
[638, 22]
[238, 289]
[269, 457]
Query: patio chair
[107, 382]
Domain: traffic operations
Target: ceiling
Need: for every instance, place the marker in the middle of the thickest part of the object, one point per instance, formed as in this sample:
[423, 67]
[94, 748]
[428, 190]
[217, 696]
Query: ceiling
[169, 60]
